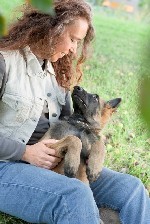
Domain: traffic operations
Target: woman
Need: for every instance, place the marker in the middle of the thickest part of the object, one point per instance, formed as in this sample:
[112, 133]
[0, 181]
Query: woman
[37, 67]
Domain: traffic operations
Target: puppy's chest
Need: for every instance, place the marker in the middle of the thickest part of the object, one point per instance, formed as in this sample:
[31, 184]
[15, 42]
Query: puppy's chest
[88, 139]
[62, 129]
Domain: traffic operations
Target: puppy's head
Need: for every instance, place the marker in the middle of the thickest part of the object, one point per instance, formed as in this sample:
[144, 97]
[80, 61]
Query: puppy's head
[92, 108]
[85, 104]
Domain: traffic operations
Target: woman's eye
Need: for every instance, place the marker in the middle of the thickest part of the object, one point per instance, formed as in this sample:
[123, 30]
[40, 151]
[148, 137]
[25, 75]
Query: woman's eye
[72, 40]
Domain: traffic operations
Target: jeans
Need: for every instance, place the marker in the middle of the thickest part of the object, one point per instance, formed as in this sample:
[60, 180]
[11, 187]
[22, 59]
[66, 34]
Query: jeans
[37, 195]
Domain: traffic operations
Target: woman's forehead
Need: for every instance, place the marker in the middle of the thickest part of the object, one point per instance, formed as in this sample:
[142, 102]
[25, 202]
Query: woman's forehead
[78, 28]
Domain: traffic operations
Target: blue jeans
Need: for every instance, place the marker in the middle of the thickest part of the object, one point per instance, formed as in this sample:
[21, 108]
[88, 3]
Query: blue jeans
[38, 195]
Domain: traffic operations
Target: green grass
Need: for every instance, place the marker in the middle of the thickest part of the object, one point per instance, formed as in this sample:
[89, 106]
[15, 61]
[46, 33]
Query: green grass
[114, 70]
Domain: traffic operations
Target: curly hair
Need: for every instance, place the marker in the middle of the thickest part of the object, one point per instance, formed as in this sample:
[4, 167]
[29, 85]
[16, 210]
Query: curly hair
[43, 30]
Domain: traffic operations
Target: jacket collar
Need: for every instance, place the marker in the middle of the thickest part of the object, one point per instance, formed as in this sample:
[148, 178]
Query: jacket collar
[33, 65]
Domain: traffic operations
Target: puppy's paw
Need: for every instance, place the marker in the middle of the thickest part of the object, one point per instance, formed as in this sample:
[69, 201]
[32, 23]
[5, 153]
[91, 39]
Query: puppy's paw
[91, 175]
[70, 171]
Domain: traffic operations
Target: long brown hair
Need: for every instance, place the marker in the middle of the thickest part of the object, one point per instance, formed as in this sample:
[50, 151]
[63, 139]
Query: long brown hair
[41, 29]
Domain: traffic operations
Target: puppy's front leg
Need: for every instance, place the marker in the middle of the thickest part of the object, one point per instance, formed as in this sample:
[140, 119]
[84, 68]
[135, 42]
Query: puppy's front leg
[95, 161]
[68, 148]
[72, 157]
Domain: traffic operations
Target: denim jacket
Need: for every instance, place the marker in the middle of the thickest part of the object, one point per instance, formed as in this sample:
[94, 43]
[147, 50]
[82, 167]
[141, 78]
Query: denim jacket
[26, 90]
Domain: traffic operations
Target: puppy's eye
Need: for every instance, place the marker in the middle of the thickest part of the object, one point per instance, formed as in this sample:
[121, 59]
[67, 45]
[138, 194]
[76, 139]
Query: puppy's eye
[95, 97]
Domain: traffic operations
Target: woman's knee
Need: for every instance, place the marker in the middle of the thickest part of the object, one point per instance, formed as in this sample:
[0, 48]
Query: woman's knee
[80, 190]
[77, 202]
[133, 182]
[81, 196]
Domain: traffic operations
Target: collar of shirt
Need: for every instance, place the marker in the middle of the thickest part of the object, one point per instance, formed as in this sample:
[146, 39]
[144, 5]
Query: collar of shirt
[34, 69]
[34, 65]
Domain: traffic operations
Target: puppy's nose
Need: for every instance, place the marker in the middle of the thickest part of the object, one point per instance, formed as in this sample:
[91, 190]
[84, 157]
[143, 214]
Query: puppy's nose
[78, 88]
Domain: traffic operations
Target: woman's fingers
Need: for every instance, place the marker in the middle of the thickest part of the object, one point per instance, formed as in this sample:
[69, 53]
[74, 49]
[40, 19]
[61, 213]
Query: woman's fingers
[49, 141]
[50, 151]
[48, 165]
[52, 159]
[40, 155]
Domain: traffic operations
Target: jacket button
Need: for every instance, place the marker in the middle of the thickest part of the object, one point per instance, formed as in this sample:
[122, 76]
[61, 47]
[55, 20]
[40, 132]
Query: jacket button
[33, 119]
[54, 115]
[49, 94]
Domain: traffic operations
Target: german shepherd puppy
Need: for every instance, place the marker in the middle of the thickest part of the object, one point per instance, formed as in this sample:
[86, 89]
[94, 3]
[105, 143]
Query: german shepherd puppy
[80, 143]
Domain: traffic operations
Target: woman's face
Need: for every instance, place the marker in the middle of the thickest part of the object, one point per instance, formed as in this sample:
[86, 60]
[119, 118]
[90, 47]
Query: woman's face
[68, 41]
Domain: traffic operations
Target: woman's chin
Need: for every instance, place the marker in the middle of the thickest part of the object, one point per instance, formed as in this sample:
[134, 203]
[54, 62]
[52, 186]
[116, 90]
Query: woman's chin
[54, 58]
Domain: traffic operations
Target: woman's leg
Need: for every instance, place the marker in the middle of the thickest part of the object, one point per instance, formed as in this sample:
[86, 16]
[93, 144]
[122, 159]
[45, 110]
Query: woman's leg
[38, 195]
[124, 193]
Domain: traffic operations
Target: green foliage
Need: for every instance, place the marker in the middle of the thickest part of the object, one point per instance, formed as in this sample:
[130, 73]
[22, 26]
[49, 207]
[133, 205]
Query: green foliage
[145, 84]
[2, 25]
[43, 5]
[145, 100]
[144, 3]
[9, 6]
[145, 8]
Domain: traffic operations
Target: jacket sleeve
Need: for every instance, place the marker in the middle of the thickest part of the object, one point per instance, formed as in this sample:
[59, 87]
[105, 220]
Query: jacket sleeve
[3, 78]
[9, 149]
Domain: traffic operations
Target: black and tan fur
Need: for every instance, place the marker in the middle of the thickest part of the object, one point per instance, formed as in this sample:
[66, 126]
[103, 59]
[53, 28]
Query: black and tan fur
[80, 143]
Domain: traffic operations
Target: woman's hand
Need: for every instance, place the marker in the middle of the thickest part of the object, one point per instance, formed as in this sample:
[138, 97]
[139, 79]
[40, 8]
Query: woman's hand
[40, 155]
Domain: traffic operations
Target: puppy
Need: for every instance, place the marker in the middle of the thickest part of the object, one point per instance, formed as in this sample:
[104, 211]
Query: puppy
[80, 143]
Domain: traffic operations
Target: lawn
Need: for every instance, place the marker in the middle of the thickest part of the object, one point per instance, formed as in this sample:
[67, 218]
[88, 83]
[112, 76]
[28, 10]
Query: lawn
[114, 70]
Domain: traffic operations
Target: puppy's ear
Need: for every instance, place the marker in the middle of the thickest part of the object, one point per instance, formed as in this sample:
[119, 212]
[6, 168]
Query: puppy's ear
[109, 108]
[114, 103]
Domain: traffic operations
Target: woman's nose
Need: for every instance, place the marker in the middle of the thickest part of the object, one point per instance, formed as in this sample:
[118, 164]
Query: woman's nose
[73, 48]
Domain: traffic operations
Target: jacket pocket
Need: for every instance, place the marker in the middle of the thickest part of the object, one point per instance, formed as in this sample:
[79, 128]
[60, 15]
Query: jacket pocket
[15, 110]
